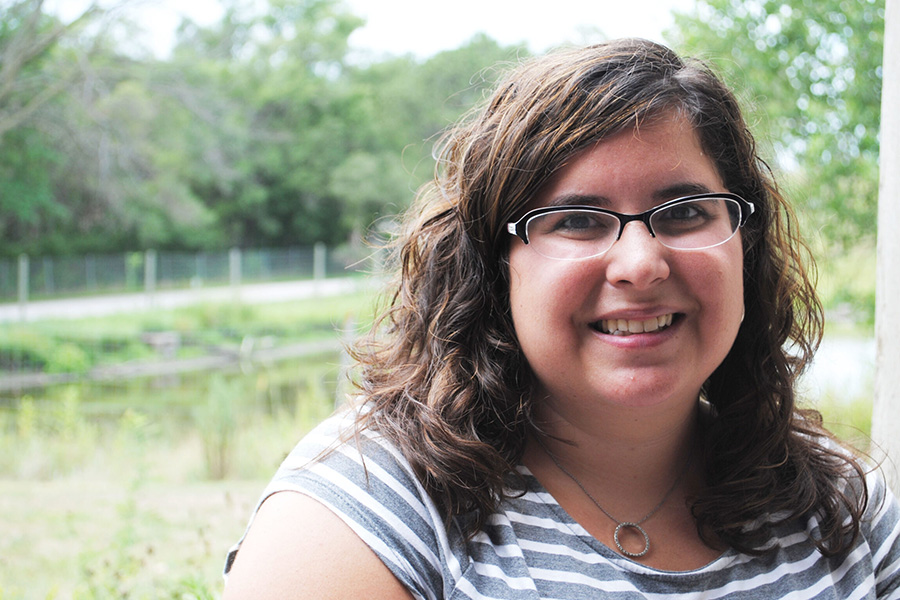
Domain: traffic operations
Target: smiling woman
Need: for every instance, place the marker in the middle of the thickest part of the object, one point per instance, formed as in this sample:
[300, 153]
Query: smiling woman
[580, 387]
[697, 292]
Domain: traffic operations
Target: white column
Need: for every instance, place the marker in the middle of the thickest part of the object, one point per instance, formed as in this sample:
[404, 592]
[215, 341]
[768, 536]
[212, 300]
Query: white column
[319, 257]
[23, 284]
[234, 273]
[150, 276]
[886, 413]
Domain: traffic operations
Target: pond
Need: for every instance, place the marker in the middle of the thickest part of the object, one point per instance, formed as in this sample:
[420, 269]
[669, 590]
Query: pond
[214, 424]
[843, 370]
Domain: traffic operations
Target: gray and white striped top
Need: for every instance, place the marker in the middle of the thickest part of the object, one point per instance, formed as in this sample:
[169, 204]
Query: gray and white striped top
[532, 548]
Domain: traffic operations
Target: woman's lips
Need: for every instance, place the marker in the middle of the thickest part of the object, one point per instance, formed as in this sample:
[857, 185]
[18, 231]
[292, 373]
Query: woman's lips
[633, 326]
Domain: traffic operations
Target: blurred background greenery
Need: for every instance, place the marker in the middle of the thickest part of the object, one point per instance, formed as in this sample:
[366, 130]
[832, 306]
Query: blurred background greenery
[126, 474]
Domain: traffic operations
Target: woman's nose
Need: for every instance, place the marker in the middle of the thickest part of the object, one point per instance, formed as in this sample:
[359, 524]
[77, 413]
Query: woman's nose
[637, 258]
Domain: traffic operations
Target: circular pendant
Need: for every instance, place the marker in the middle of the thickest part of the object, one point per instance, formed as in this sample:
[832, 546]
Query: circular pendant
[629, 525]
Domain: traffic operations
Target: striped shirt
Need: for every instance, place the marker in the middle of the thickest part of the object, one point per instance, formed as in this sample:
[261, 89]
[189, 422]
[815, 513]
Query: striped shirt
[531, 548]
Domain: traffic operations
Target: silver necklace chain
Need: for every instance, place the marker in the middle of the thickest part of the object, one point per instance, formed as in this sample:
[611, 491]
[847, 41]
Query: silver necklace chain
[620, 525]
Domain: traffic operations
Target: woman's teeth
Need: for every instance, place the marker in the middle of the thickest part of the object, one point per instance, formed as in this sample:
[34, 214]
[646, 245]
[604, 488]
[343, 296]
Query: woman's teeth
[628, 326]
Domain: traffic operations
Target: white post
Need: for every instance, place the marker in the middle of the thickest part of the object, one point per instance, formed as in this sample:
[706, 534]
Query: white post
[234, 273]
[23, 285]
[150, 275]
[886, 413]
[319, 257]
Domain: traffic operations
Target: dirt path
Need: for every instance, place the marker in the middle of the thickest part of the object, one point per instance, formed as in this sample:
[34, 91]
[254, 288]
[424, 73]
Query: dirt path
[94, 306]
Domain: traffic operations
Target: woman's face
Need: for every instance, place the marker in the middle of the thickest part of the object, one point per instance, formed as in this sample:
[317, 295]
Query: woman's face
[558, 306]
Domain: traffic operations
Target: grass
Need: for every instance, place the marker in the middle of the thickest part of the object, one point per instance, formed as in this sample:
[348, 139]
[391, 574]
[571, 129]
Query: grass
[99, 539]
[145, 505]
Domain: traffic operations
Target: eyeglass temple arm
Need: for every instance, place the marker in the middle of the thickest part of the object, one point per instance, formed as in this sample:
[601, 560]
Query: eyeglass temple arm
[513, 228]
[751, 209]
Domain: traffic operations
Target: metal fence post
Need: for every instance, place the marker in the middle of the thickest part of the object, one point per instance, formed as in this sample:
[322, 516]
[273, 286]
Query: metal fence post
[319, 257]
[23, 285]
[150, 274]
[132, 264]
[234, 272]
[47, 272]
[90, 272]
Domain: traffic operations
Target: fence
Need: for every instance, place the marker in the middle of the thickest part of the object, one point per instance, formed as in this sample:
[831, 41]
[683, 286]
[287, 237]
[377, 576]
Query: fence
[30, 278]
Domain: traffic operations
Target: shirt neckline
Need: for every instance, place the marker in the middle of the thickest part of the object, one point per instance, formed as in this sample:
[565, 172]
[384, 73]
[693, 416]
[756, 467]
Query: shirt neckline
[541, 495]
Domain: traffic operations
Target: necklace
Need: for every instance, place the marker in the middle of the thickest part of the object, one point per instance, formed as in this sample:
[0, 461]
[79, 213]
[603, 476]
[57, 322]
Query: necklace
[620, 525]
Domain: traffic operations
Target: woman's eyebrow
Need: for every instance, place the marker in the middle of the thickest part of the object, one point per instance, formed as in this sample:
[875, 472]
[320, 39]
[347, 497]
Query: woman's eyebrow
[680, 189]
[580, 200]
[669, 192]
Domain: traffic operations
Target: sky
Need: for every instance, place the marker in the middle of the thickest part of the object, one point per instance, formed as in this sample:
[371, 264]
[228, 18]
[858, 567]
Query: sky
[425, 27]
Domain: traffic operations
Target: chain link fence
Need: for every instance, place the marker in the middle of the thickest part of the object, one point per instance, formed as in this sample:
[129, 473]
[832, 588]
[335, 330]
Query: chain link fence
[43, 277]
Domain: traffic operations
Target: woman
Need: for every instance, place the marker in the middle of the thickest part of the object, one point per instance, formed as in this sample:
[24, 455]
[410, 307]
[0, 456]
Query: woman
[581, 387]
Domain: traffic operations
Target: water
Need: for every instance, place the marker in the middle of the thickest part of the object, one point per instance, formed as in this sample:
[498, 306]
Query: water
[843, 368]
[172, 399]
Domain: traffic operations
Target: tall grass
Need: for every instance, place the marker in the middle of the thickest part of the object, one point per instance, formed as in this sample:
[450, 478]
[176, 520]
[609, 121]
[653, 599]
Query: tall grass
[145, 504]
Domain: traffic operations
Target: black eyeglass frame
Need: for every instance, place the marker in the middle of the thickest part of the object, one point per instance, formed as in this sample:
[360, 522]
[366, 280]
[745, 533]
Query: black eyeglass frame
[519, 228]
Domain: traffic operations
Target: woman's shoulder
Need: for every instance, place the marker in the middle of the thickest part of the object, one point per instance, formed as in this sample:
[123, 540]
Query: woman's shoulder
[882, 515]
[346, 457]
[299, 549]
[368, 486]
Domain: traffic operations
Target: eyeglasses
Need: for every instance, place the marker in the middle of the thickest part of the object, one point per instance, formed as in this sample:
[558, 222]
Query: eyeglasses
[577, 232]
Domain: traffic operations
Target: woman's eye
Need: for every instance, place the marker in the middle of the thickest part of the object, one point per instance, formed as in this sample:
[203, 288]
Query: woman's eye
[577, 221]
[578, 225]
[689, 214]
[683, 212]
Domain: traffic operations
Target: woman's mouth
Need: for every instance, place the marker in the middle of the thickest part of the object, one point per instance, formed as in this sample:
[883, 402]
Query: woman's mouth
[631, 326]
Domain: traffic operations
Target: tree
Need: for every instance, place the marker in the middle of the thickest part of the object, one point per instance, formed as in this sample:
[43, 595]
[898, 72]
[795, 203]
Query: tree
[80, 169]
[287, 119]
[412, 102]
[257, 131]
[29, 75]
[33, 75]
[810, 70]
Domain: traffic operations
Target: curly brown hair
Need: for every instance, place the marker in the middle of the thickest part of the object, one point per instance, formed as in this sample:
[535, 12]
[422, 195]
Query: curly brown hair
[443, 374]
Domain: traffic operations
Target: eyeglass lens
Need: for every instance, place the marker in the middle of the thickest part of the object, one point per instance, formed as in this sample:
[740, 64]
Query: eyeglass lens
[689, 225]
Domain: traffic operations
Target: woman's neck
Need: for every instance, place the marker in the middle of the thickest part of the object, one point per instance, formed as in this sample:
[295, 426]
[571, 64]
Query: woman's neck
[641, 449]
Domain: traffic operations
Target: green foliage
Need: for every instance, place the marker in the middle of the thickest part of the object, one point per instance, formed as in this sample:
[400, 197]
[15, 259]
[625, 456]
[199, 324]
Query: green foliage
[68, 358]
[76, 347]
[412, 102]
[850, 419]
[26, 449]
[217, 423]
[27, 349]
[847, 287]
[63, 349]
[810, 72]
[24, 349]
[26, 166]
[258, 131]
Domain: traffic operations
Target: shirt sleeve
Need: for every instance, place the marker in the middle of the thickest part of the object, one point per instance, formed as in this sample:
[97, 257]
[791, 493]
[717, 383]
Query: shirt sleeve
[882, 529]
[368, 484]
